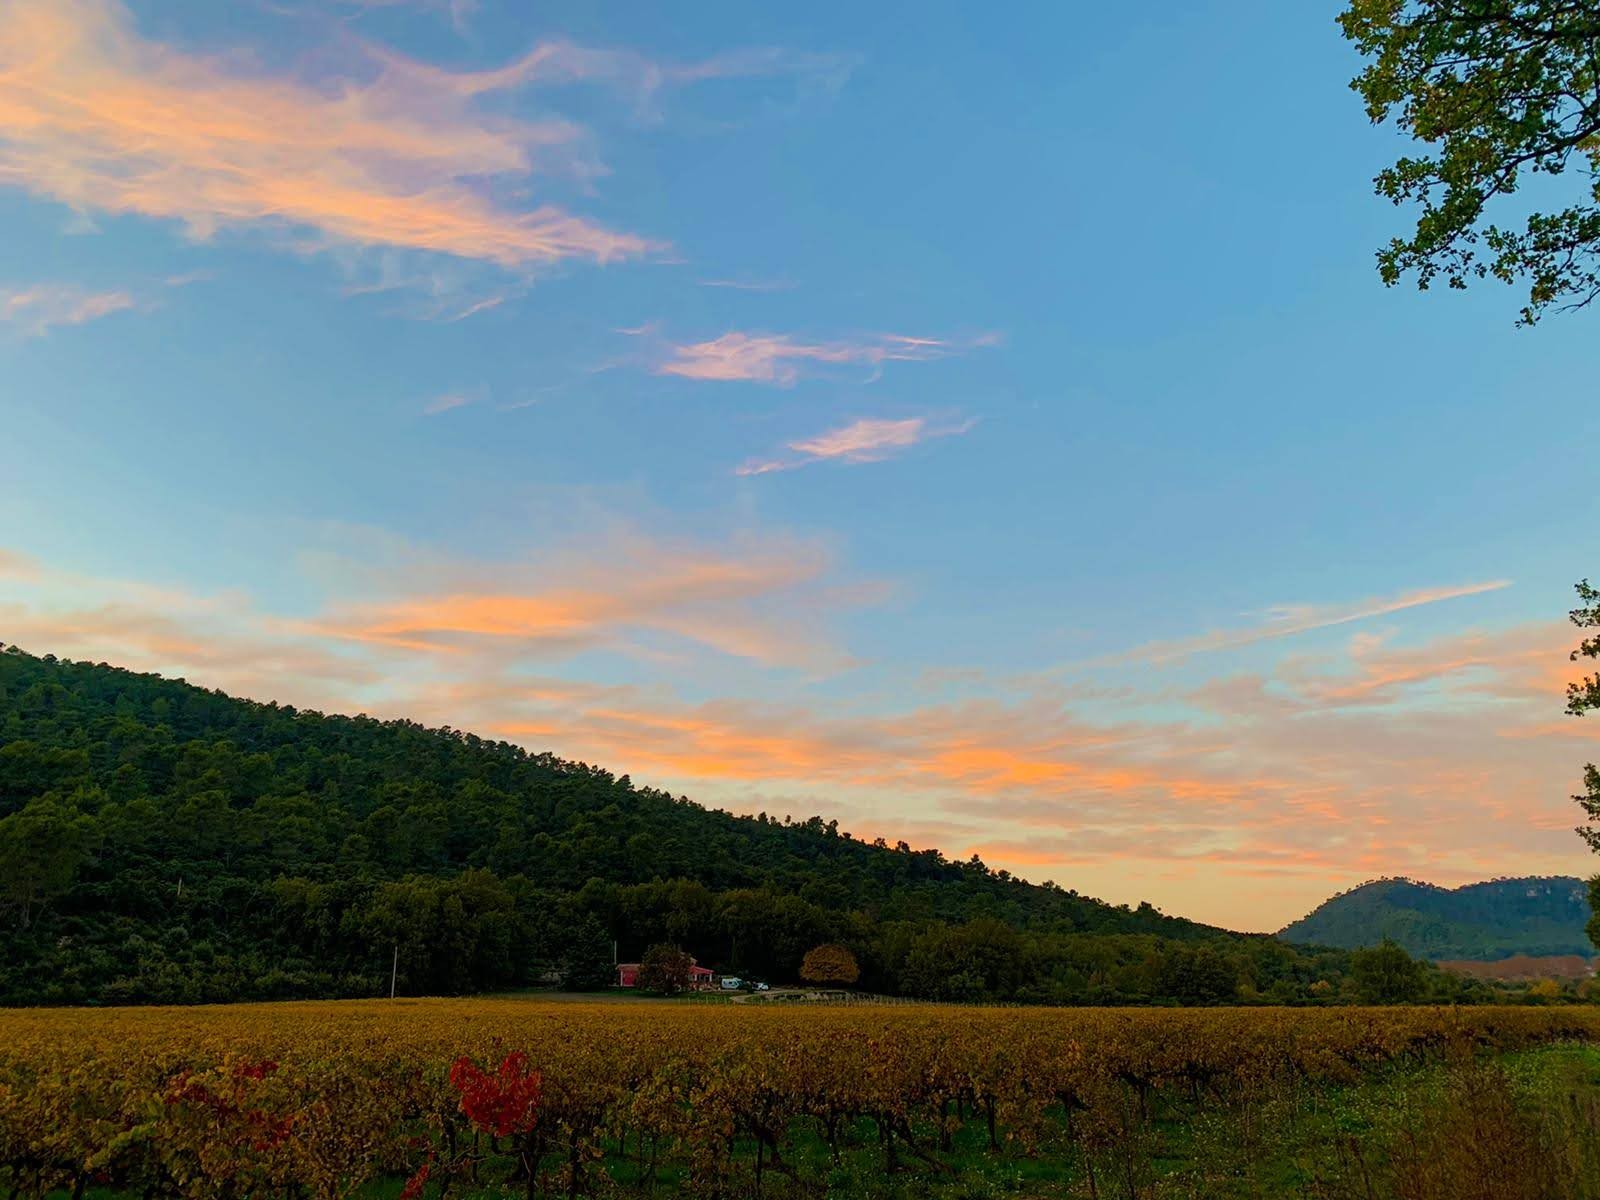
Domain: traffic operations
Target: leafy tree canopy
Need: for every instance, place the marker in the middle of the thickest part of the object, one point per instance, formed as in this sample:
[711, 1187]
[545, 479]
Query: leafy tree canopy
[1505, 95]
[1386, 974]
[1583, 694]
[41, 848]
[665, 969]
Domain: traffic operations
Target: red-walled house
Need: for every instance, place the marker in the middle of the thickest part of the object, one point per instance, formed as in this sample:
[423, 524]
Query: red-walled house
[700, 978]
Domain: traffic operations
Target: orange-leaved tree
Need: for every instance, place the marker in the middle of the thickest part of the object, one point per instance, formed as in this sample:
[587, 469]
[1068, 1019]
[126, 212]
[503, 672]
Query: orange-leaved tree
[830, 964]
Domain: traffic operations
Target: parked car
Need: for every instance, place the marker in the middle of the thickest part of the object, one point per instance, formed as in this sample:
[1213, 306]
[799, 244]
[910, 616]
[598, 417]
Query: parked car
[731, 983]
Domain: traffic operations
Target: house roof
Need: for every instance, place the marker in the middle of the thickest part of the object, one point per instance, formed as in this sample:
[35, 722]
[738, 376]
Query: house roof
[695, 969]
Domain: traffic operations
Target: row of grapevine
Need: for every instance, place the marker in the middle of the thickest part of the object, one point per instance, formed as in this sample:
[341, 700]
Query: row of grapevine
[318, 1099]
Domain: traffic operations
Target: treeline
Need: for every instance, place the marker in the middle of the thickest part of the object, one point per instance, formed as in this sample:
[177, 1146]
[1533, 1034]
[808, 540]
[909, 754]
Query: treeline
[473, 932]
[164, 843]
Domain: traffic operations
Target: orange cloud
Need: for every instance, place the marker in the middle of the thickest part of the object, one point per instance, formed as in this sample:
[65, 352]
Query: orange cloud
[775, 358]
[1517, 665]
[863, 441]
[1015, 763]
[708, 744]
[1015, 853]
[743, 603]
[97, 117]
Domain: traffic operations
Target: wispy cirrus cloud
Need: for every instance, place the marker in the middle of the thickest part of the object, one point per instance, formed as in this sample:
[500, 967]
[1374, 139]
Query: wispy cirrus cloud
[459, 11]
[1287, 620]
[35, 310]
[748, 285]
[558, 62]
[98, 117]
[439, 289]
[780, 360]
[445, 402]
[865, 441]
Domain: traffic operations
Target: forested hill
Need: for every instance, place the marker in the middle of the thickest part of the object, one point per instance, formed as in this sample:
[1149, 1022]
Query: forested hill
[163, 842]
[1483, 921]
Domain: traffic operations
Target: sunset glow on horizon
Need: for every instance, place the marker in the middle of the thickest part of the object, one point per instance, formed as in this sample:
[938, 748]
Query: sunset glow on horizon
[808, 411]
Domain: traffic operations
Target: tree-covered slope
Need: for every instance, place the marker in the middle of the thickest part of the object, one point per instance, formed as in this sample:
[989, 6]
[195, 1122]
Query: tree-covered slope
[194, 782]
[1483, 921]
[159, 841]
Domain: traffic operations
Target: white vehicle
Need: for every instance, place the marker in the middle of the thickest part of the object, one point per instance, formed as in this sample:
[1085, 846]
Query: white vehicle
[731, 983]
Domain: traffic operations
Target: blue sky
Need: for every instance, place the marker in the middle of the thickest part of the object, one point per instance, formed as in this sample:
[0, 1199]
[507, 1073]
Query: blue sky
[991, 433]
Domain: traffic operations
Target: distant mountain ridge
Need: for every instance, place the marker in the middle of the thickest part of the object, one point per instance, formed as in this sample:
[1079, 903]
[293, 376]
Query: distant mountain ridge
[1535, 916]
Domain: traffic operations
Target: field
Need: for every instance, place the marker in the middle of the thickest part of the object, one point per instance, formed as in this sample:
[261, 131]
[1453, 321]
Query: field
[507, 1096]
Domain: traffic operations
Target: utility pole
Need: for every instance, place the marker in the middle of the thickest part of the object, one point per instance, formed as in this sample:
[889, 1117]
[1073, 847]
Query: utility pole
[394, 968]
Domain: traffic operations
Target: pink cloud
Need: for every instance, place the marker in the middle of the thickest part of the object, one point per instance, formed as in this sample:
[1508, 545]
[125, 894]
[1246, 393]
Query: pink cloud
[864, 441]
[780, 360]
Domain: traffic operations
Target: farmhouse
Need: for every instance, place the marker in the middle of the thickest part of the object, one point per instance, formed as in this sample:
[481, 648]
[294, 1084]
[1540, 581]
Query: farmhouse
[701, 979]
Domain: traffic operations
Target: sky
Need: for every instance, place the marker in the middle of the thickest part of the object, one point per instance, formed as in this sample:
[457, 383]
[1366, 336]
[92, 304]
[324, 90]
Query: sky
[988, 433]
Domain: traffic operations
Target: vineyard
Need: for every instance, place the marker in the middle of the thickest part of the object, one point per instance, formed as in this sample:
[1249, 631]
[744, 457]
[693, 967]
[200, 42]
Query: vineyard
[431, 1097]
